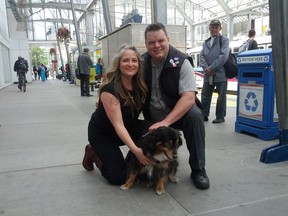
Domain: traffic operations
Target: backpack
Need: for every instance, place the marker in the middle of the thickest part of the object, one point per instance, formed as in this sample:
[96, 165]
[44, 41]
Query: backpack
[244, 46]
[230, 66]
[22, 65]
[77, 73]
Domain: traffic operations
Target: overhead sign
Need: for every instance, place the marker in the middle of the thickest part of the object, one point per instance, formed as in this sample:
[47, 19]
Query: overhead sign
[253, 59]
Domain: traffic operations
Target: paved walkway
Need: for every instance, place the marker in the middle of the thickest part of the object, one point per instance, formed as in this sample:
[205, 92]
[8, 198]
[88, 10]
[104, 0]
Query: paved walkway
[42, 138]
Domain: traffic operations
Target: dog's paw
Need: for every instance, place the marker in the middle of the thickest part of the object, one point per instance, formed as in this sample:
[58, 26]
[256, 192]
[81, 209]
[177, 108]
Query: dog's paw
[124, 187]
[159, 192]
[149, 184]
[174, 179]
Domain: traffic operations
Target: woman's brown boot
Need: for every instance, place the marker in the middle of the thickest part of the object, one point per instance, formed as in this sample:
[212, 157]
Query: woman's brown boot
[88, 158]
[97, 161]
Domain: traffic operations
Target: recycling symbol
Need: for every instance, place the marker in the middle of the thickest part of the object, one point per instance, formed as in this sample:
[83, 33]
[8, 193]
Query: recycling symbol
[238, 60]
[251, 102]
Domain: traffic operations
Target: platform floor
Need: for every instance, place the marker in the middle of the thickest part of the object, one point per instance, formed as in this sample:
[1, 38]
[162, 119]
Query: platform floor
[42, 138]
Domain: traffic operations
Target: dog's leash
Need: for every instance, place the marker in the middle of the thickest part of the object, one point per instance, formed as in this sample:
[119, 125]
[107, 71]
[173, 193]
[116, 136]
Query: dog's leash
[146, 134]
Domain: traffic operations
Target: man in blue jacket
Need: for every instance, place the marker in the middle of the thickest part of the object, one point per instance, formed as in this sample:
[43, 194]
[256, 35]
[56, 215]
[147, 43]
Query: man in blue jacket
[212, 58]
[171, 97]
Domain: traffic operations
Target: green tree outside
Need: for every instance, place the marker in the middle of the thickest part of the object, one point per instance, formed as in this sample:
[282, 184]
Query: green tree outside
[38, 56]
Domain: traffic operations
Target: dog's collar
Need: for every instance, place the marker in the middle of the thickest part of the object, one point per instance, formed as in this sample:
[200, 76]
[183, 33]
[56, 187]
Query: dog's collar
[156, 161]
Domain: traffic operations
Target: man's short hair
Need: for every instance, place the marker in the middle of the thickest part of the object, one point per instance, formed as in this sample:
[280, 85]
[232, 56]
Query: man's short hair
[215, 22]
[155, 27]
[251, 33]
[85, 50]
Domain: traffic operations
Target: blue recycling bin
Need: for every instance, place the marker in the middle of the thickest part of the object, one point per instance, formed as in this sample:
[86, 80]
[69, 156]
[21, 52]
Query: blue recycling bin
[256, 102]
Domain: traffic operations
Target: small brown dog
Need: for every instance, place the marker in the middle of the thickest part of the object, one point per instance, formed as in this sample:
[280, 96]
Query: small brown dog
[161, 145]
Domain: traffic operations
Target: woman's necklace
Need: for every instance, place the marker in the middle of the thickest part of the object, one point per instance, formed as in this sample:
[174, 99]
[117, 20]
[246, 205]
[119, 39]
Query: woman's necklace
[132, 102]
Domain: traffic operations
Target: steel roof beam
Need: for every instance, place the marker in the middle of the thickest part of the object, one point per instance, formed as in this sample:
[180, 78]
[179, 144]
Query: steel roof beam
[233, 13]
[55, 5]
[224, 6]
[14, 9]
[69, 21]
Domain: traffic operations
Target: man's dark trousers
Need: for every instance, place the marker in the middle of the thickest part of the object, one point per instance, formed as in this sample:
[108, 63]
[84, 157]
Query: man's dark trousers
[84, 84]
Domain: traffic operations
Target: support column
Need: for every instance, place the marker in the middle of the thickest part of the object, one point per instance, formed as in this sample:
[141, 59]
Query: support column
[279, 22]
[67, 51]
[76, 29]
[107, 16]
[59, 47]
[230, 29]
[159, 11]
[77, 36]
[89, 28]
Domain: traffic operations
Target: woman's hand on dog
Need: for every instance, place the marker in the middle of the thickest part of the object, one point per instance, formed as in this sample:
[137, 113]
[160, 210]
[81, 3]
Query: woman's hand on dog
[143, 159]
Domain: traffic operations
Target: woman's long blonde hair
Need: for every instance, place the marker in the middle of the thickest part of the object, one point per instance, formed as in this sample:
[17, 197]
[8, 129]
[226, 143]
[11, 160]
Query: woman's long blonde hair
[113, 75]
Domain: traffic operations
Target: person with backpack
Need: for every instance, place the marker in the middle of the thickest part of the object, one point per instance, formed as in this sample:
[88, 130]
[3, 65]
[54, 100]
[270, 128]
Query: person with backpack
[21, 67]
[249, 44]
[213, 56]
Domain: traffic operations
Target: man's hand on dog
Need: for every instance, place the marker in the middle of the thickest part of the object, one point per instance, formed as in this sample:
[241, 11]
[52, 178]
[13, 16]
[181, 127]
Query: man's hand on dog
[143, 159]
[157, 125]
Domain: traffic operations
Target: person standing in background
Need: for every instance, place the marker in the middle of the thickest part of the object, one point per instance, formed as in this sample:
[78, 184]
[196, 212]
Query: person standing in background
[35, 71]
[84, 63]
[42, 72]
[68, 71]
[252, 43]
[249, 44]
[46, 72]
[99, 68]
[213, 56]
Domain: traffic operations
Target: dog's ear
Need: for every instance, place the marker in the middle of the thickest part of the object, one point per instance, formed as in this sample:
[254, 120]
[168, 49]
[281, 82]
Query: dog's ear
[158, 134]
[147, 142]
[172, 134]
[176, 136]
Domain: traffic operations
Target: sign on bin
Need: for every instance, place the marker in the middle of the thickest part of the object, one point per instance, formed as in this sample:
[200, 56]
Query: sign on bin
[251, 101]
[253, 59]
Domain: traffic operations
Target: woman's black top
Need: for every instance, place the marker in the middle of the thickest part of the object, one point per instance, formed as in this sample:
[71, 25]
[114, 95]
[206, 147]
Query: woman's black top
[100, 121]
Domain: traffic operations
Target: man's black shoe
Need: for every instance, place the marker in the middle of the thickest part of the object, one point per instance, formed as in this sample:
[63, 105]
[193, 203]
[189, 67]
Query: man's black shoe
[200, 179]
[218, 120]
[90, 95]
[206, 118]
